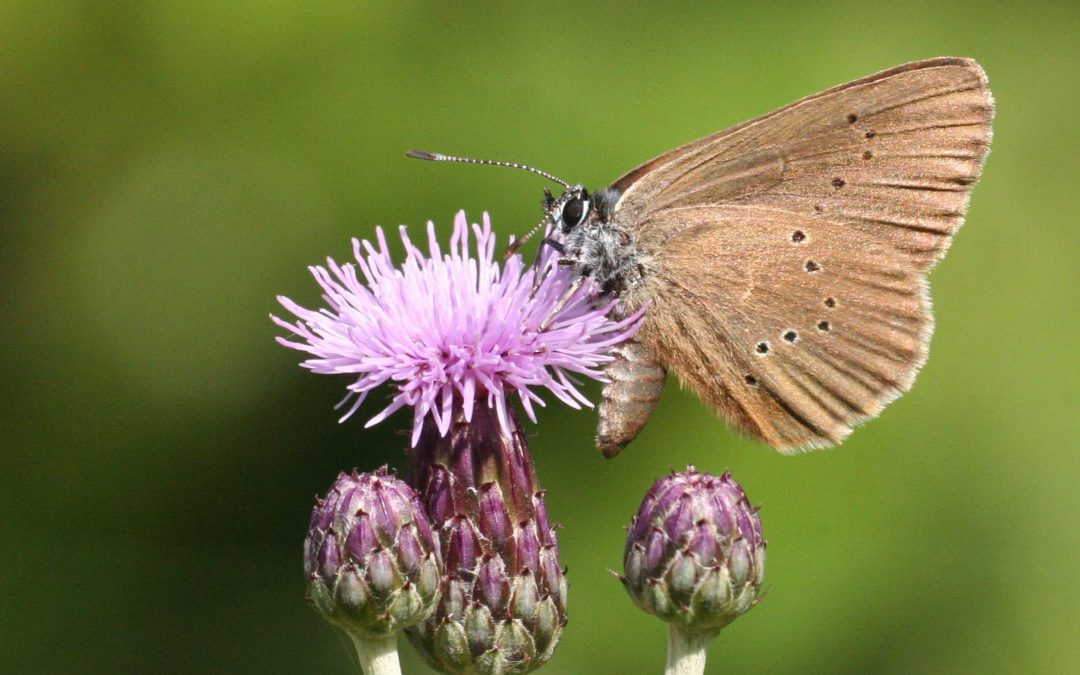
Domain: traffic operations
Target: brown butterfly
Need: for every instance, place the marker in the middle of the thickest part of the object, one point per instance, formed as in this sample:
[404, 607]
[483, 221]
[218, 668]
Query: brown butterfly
[783, 262]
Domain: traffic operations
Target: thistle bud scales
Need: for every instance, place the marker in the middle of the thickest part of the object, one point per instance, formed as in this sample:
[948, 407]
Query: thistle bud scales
[372, 561]
[503, 605]
[695, 555]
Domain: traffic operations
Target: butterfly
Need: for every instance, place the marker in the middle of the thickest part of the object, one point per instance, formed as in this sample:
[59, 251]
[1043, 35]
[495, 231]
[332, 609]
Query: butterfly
[782, 263]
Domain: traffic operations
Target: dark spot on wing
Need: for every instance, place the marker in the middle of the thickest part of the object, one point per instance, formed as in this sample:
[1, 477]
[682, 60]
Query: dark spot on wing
[830, 302]
[852, 118]
[824, 325]
[798, 236]
[762, 348]
[791, 336]
[751, 380]
[867, 155]
[812, 266]
[838, 182]
[870, 134]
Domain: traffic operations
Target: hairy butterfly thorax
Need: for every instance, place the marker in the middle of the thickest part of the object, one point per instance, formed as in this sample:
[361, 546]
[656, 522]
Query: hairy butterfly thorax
[593, 242]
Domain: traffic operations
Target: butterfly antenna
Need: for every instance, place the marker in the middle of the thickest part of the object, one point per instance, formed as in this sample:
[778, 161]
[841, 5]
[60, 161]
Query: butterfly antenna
[516, 243]
[437, 157]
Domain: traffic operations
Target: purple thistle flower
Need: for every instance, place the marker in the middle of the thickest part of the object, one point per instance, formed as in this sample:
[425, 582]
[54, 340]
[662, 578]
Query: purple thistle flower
[449, 326]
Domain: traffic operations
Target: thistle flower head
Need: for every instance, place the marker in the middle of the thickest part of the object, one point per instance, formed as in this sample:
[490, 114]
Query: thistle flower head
[695, 556]
[371, 557]
[448, 325]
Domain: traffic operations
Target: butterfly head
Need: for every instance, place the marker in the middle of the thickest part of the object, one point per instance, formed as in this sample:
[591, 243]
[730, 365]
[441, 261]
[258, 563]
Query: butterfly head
[570, 210]
[577, 207]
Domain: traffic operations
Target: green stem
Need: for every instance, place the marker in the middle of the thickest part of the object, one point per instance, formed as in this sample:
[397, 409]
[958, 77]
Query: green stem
[378, 656]
[686, 652]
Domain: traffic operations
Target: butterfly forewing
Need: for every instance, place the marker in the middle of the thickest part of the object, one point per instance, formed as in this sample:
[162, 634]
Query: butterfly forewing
[786, 257]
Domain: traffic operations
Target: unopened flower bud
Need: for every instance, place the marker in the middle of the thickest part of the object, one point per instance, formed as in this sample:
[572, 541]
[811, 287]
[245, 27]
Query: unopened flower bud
[372, 561]
[694, 555]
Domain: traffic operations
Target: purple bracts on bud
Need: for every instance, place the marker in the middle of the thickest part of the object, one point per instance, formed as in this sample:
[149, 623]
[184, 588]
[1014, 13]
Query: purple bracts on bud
[372, 561]
[695, 556]
[503, 604]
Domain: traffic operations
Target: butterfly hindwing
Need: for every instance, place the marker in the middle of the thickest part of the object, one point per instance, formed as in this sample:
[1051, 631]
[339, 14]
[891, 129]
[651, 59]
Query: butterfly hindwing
[794, 331]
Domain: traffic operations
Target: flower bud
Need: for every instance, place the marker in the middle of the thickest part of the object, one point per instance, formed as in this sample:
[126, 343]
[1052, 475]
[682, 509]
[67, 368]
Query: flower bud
[503, 604]
[372, 561]
[694, 552]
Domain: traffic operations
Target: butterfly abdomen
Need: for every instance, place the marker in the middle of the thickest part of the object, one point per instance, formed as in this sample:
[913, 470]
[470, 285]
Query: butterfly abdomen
[636, 381]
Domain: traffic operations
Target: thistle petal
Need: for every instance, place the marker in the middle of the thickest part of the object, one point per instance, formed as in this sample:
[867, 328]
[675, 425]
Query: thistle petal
[451, 326]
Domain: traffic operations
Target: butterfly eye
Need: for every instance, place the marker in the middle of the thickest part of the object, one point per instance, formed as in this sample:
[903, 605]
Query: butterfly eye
[574, 213]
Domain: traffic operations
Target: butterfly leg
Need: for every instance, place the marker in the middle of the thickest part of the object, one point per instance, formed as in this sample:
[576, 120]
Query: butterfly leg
[628, 399]
[545, 269]
[571, 291]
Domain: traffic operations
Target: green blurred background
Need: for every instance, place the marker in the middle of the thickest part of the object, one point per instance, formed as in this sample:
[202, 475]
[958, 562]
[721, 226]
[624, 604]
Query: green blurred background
[168, 167]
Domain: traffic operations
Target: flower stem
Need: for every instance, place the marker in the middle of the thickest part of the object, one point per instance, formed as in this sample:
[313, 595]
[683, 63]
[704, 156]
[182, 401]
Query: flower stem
[378, 656]
[686, 652]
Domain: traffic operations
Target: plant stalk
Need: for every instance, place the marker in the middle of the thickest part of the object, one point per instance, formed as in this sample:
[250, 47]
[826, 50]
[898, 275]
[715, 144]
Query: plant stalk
[686, 652]
[378, 656]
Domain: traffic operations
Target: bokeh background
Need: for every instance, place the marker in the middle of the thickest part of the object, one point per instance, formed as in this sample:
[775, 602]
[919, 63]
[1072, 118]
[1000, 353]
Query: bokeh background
[168, 167]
